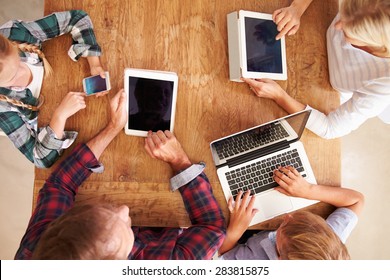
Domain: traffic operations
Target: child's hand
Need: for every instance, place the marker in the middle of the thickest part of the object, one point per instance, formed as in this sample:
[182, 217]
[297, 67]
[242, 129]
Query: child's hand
[70, 105]
[291, 182]
[241, 214]
[97, 69]
[288, 21]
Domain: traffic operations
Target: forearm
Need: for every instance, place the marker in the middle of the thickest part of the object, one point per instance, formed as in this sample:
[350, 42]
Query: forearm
[208, 224]
[337, 196]
[100, 142]
[301, 5]
[200, 202]
[93, 61]
[229, 243]
[57, 124]
[288, 103]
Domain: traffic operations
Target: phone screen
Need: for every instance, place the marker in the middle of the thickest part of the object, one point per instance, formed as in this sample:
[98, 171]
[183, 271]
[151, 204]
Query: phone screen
[95, 84]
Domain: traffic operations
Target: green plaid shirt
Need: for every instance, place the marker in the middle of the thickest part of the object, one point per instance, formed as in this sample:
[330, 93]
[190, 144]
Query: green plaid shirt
[40, 145]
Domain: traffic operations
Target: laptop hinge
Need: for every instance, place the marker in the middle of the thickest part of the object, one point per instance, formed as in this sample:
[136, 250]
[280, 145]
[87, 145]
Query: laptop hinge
[258, 153]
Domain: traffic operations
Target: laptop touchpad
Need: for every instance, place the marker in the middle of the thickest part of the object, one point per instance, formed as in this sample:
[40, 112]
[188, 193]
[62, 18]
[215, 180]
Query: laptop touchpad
[274, 203]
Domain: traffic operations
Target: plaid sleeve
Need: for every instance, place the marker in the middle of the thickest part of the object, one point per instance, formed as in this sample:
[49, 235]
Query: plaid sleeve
[57, 196]
[75, 22]
[39, 146]
[205, 236]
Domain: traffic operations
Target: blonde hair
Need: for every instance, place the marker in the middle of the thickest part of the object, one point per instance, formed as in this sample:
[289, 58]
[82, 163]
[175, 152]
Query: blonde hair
[368, 21]
[6, 47]
[307, 236]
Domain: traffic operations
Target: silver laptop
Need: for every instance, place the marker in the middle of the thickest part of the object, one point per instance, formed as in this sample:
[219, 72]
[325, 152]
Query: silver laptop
[246, 161]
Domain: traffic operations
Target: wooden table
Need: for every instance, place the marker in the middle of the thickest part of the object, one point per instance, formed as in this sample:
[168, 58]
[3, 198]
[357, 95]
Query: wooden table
[190, 38]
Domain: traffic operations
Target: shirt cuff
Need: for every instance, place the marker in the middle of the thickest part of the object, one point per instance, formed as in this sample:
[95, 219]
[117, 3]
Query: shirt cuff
[187, 175]
[50, 141]
[81, 50]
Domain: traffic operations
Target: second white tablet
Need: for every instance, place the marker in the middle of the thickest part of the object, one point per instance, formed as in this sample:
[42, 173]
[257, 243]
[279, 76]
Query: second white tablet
[253, 50]
[151, 100]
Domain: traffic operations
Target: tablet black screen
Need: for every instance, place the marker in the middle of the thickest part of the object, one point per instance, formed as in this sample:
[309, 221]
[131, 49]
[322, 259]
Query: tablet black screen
[150, 104]
[263, 52]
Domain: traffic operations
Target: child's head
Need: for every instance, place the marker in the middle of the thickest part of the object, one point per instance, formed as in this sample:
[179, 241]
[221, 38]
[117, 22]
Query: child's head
[367, 23]
[306, 236]
[9, 62]
[88, 232]
[11, 71]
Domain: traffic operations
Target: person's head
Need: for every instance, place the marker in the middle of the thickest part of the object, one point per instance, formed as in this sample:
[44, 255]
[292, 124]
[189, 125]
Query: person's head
[88, 232]
[12, 72]
[366, 23]
[9, 62]
[306, 236]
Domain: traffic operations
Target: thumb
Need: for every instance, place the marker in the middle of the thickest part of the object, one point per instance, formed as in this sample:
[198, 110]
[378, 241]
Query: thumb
[254, 212]
[116, 100]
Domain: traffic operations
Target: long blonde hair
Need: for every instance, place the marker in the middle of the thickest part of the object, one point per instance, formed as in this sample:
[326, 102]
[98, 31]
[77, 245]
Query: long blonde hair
[6, 48]
[7, 45]
[368, 21]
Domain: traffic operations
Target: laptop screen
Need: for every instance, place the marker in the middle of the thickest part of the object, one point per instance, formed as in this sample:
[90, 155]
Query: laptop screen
[264, 53]
[284, 130]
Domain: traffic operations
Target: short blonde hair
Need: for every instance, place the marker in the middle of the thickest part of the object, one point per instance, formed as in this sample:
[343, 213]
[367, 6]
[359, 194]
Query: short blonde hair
[368, 21]
[307, 236]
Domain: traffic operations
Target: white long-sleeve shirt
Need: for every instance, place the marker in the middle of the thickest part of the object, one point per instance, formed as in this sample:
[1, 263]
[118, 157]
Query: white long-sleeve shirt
[353, 72]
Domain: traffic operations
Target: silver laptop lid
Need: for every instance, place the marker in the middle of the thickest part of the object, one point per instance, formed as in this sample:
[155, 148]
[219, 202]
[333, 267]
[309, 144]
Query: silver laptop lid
[260, 140]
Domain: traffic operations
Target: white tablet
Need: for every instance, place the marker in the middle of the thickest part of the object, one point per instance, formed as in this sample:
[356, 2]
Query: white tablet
[253, 50]
[151, 100]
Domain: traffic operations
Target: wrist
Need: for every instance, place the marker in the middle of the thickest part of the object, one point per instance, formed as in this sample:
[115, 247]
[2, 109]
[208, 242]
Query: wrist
[300, 6]
[180, 164]
[280, 96]
[112, 129]
[93, 61]
[57, 124]
[59, 115]
[307, 192]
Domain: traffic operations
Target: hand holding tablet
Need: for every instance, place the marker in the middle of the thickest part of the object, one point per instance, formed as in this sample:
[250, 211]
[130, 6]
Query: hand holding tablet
[253, 50]
[151, 101]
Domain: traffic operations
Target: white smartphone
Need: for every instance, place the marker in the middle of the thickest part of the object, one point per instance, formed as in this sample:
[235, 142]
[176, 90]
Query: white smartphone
[96, 84]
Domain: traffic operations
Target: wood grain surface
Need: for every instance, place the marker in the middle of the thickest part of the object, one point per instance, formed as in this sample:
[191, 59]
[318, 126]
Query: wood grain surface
[189, 38]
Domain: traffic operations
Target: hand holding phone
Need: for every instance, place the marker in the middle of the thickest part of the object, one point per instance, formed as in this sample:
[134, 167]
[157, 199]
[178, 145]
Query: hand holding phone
[96, 84]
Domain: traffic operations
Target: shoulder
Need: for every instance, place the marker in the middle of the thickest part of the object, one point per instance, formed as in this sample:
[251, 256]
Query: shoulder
[342, 221]
[258, 247]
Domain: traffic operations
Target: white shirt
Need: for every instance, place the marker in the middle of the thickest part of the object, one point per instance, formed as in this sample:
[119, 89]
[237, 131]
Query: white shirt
[37, 79]
[361, 76]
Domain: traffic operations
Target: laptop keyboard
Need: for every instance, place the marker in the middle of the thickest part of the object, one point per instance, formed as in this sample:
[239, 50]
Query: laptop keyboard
[250, 140]
[258, 176]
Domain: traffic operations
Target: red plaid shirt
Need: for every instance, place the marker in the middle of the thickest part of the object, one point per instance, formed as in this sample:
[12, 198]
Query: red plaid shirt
[200, 241]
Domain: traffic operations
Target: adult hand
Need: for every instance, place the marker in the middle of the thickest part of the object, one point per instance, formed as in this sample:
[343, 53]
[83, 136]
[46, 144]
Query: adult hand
[241, 214]
[118, 111]
[265, 88]
[287, 20]
[291, 182]
[164, 146]
[71, 104]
